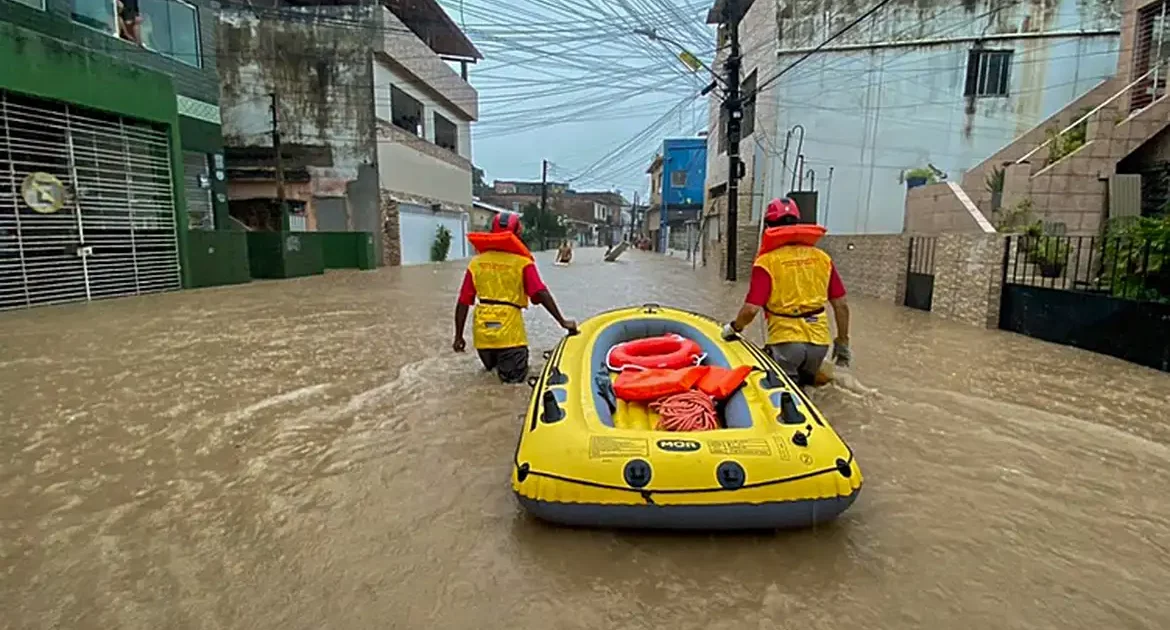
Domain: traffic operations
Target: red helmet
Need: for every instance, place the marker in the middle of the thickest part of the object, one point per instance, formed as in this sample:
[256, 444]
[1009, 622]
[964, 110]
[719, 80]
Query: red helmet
[780, 208]
[507, 222]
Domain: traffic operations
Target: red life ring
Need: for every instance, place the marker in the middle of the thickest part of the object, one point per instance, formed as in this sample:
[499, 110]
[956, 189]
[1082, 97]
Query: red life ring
[665, 352]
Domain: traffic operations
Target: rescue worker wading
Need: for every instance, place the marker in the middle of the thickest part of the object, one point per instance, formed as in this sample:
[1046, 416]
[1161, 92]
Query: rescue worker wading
[791, 280]
[500, 281]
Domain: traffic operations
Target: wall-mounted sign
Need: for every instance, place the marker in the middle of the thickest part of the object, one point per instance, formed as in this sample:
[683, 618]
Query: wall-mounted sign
[217, 159]
[219, 174]
[43, 192]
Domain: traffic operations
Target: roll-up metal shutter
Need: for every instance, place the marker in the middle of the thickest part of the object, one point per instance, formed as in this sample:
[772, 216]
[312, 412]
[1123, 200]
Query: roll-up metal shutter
[86, 205]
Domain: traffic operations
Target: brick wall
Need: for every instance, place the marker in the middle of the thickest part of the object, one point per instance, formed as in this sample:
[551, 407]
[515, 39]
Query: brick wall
[934, 209]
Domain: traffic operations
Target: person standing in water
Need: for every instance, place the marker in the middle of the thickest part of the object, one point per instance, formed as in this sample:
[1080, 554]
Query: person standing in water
[499, 282]
[791, 281]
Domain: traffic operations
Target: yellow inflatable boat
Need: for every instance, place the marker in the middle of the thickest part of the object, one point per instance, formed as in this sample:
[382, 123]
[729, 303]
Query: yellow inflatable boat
[586, 458]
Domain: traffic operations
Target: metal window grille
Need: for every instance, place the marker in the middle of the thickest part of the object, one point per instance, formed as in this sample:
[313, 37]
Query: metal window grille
[112, 230]
[197, 187]
[988, 72]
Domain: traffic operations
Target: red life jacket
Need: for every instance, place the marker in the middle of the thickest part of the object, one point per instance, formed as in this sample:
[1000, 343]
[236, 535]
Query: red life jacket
[800, 234]
[506, 242]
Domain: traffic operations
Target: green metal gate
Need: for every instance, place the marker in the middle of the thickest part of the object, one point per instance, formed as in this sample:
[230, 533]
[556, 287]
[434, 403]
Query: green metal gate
[86, 205]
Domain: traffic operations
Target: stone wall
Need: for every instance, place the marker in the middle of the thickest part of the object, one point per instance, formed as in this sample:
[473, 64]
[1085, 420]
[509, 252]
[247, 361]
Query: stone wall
[871, 265]
[391, 241]
[968, 272]
[968, 278]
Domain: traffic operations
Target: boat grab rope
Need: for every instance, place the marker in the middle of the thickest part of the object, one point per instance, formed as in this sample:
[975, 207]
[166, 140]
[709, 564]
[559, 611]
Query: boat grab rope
[688, 411]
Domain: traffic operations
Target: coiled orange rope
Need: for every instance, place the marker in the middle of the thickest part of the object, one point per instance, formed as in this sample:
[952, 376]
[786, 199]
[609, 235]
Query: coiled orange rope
[688, 411]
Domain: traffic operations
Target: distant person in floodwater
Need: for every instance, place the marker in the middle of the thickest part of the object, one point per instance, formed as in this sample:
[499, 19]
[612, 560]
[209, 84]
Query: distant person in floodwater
[499, 282]
[791, 283]
[565, 252]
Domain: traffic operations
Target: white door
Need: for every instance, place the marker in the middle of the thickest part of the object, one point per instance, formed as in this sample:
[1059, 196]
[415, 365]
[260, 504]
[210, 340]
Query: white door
[417, 228]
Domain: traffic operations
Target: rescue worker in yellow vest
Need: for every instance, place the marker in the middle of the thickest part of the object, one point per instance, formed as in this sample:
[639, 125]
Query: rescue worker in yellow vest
[499, 284]
[791, 283]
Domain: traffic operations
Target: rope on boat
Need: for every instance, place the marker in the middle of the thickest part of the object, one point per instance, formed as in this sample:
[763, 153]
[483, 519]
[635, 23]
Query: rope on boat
[688, 411]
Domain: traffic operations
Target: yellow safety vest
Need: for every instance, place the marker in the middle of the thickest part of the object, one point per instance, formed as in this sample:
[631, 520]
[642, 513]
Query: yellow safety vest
[800, 284]
[499, 311]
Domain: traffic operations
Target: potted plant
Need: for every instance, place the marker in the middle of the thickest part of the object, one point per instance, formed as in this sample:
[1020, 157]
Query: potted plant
[995, 187]
[916, 177]
[1051, 255]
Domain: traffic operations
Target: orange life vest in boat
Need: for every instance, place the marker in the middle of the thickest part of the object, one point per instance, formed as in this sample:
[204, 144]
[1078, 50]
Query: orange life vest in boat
[649, 385]
[720, 383]
[506, 242]
[800, 234]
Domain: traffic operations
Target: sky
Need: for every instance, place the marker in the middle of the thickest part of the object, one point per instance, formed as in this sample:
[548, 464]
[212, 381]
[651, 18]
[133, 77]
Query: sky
[569, 81]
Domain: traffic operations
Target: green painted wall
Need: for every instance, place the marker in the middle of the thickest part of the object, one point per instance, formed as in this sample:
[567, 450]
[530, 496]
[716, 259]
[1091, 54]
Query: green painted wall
[218, 257]
[270, 254]
[348, 250]
[52, 69]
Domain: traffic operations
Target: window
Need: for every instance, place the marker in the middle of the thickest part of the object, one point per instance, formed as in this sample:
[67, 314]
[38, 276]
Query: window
[987, 72]
[748, 91]
[171, 28]
[678, 179]
[446, 134]
[167, 27]
[36, 4]
[99, 14]
[406, 112]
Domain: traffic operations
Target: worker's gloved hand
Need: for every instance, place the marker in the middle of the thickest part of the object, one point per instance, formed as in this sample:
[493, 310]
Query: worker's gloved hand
[842, 355]
[728, 333]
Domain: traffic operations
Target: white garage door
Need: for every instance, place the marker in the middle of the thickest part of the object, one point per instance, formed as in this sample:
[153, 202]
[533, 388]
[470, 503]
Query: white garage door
[417, 226]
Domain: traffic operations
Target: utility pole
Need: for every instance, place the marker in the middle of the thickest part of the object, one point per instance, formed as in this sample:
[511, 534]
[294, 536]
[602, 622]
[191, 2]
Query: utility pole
[634, 216]
[276, 150]
[734, 110]
[543, 196]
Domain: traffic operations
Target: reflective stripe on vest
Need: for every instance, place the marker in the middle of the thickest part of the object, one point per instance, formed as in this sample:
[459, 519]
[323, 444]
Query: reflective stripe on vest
[499, 288]
[800, 285]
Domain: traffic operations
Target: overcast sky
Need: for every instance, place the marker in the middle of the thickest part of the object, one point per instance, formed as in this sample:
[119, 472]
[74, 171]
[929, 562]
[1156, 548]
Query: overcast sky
[570, 82]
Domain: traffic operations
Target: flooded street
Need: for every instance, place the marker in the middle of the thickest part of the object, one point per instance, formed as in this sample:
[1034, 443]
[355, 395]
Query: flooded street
[310, 454]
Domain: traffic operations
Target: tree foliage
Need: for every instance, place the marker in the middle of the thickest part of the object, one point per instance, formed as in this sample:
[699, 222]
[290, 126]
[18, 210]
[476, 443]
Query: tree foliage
[541, 228]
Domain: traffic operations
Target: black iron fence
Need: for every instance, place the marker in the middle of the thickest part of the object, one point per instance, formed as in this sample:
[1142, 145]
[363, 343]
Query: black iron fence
[920, 272]
[1105, 294]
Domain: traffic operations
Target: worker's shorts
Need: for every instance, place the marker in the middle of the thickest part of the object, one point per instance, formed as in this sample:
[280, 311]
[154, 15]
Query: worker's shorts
[800, 361]
[510, 364]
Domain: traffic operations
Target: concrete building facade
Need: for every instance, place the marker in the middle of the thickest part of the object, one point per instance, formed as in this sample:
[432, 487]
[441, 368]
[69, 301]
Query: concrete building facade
[372, 118]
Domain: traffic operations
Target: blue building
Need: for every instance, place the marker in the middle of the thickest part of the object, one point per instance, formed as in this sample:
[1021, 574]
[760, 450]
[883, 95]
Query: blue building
[677, 182]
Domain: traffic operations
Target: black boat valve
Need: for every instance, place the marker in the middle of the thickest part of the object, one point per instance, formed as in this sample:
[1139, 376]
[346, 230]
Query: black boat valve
[557, 377]
[552, 411]
[771, 381]
[789, 413]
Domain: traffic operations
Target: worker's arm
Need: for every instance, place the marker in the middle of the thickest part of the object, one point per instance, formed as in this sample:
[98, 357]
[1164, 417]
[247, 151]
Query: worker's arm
[745, 317]
[842, 354]
[758, 293]
[841, 314]
[539, 294]
[462, 306]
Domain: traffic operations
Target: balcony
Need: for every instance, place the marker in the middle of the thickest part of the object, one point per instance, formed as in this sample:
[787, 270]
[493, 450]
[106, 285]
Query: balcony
[401, 47]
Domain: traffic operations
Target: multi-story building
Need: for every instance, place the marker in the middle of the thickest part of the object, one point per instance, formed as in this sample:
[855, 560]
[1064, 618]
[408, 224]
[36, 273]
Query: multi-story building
[111, 163]
[940, 85]
[374, 123]
[677, 181]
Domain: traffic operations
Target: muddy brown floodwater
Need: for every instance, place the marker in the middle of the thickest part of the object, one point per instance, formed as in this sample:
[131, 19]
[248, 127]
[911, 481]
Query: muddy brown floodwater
[309, 454]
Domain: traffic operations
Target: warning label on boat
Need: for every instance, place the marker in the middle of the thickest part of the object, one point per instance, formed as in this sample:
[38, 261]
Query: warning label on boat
[782, 449]
[757, 447]
[603, 447]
